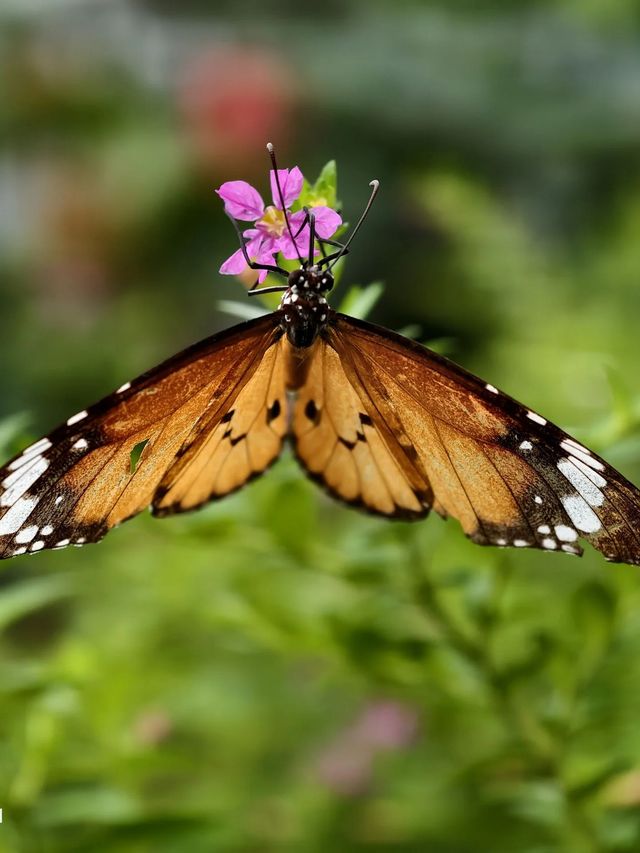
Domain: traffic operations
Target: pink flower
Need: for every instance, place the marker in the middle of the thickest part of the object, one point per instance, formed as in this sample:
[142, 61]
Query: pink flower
[346, 765]
[270, 234]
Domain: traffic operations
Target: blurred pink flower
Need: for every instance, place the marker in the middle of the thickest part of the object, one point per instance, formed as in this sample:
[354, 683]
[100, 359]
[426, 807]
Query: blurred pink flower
[387, 725]
[346, 765]
[270, 234]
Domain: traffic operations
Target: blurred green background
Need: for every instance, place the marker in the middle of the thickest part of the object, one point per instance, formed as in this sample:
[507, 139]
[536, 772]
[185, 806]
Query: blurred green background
[277, 672]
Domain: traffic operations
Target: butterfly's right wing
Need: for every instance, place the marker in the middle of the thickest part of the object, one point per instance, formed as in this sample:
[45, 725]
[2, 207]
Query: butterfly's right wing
[507, 474]
[81, 480]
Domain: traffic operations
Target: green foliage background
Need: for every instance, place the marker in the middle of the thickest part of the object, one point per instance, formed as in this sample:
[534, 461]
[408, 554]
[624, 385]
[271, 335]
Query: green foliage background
[208, 683]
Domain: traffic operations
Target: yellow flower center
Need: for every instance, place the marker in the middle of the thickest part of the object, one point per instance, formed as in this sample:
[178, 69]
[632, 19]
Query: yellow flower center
[272, 222]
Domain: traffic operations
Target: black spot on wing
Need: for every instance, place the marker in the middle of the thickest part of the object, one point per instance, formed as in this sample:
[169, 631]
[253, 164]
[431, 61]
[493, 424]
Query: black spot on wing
[273, 411]
[312, 412]
[348, 444]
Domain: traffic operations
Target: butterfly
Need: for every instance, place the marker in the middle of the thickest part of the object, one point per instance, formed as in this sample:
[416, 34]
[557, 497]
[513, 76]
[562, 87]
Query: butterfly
[380, 421]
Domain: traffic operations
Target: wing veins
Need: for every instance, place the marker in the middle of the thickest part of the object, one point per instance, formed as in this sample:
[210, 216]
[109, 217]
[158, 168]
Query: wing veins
[455, 471]
[324, 386]
[422, 474]
[510, 490]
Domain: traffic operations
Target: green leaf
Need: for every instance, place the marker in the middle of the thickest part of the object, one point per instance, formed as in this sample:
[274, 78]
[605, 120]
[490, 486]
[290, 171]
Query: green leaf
[86, 804]
[594, 612]
[323, 191]
[326, 187]
[25, 598]
[360, 301]
[243, 310]
[136, 453]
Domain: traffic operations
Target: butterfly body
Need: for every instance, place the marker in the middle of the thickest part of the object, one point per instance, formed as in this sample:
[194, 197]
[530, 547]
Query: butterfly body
[304, 308]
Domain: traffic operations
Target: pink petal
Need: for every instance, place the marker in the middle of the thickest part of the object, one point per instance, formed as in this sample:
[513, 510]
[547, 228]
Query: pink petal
[302, 241]
[327, 220]
[241, 200]
[291, 183]
[234, 264]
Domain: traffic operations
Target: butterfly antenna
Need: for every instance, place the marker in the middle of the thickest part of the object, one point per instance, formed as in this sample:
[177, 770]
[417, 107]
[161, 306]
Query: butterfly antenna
[272, 154]
[374, 192]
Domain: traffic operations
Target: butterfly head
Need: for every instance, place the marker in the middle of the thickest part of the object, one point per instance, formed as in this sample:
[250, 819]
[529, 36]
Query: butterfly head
[305, 310]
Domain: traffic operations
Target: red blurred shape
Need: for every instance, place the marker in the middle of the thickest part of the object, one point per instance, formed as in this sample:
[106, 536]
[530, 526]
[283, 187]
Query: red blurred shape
[233, 101]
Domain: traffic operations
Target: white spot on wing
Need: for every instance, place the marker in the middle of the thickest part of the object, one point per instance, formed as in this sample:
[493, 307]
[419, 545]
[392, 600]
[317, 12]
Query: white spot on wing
[538, 499]
[544, 528]
[566, 534]
[591, 493]
[59, 499]
[570, 549]
[10, 479]
[501, 541]
[74, 419]
[537, 418]
[549, 544]
[581, 514]
[36, 449]
[15, 517]
[47, 530]
[520, 543]
[492, 388]
[26, 534]
[582, 455]
[62, 543]
[24, 482]
[595, 478]
[37, 546]
[80, 444]
[19, 551]
[124, 387]
[526, 445]
[575, 445]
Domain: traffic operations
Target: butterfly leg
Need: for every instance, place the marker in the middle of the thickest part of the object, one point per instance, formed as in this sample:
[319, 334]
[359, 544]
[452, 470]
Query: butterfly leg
[342, 250]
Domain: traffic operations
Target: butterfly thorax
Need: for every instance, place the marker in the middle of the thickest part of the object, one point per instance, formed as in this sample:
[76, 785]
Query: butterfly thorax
[304, 308]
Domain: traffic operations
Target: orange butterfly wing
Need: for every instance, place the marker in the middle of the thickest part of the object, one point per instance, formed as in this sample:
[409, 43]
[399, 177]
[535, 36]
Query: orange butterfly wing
[80, 481]
[342, 442]
[376, 403]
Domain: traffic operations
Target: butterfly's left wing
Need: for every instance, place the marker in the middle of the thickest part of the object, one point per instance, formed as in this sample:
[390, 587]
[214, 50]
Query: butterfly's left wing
[509, 476]
[207, 420]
